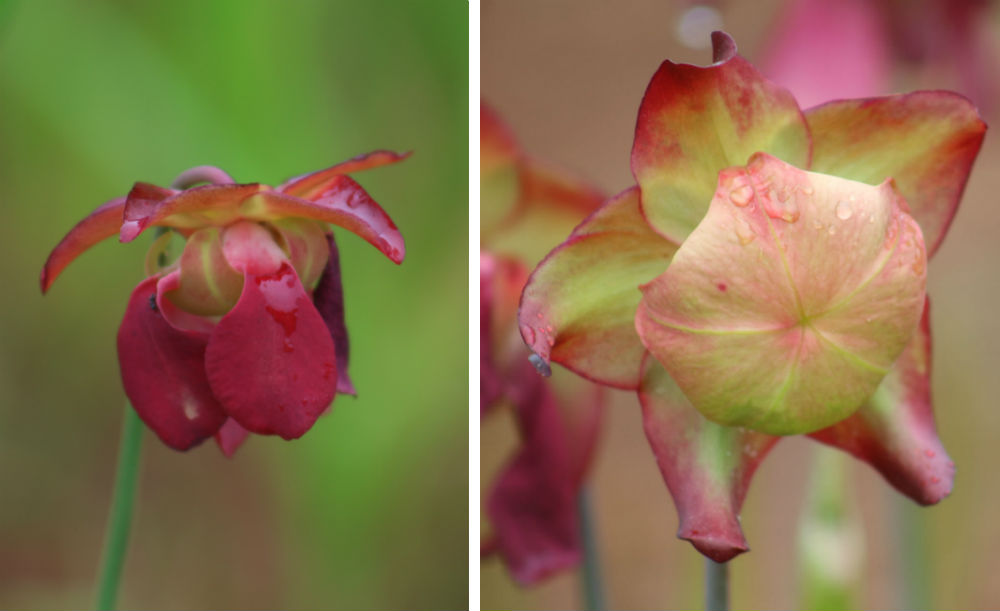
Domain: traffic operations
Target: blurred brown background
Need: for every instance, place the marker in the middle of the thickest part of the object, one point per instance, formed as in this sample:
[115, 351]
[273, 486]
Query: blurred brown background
[568, 75]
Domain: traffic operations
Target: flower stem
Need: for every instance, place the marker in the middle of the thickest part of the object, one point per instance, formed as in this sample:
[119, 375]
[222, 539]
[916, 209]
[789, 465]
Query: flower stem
[120, 516]
[593, 589]
[911, 545]
[716, 585]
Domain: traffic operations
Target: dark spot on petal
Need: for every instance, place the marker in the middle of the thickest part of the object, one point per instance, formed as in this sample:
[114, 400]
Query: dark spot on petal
[541, 366]
[152, 303]
[721, 286]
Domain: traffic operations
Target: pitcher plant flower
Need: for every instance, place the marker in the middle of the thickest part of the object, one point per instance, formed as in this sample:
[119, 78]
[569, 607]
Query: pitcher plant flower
[765, 277]
[244, 331]
[532, 506]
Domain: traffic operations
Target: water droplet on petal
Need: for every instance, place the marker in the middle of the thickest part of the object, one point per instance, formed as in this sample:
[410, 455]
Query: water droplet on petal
[929, 453]
[807, 191]
[744, 233]
[844, 211]
[787, 211]
[540, 365]
[741, 196]
[832, 230]
[528, 334]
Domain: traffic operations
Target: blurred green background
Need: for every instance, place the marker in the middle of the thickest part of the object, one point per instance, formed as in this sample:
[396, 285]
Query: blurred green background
[568, 76]
[369, 509]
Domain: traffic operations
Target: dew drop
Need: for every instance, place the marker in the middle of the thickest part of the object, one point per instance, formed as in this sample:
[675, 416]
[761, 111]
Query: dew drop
[832, 230]
[783, 195]
[741, 196]
[787, 211]
[540, 316]
[929, 453]
[807, 191]
[935, 479]
[743, 232]
[844, 211]
[528, 334]
[540, 365]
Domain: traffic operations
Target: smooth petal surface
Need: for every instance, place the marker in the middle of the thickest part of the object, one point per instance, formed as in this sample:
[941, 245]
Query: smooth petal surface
[271, 361]
[787, 306]
[163, 372]
[578, 307]
[926, 141]
[343, 203]
[707, 467]
[329, 301]
[100, 224]
[191, 209]
[310, 186]
[695, 121]
[532, 507]
[230, 437]
[894, 431]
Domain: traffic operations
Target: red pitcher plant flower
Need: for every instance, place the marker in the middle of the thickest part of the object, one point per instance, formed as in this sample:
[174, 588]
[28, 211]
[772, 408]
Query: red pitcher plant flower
[532, 506]
[765, 277]
[244, 331]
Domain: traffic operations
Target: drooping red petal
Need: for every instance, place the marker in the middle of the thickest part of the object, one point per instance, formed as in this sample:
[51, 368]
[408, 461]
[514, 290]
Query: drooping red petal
[230, 437]
[707, 467]
[100, 224]
[191, 209]
[532, 505]
[894, 431]
[271, 361]
[310, 186]
[163, 372]
[343, 202]
[329, 301]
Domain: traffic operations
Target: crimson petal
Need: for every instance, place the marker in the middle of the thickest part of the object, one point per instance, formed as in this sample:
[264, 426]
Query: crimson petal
[100, 224]
[163, 371]
[532, 506]
[193, 208]
[343, 202]
[329, 301]
[271, 360]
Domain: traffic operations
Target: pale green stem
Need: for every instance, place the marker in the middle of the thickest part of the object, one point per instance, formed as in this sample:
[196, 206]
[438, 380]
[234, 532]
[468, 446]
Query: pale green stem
[593, 589]
[716, 585]
[120, 517]
[911, 545]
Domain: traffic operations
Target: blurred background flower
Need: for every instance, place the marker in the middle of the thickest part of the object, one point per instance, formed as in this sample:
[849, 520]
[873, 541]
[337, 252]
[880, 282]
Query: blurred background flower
[369, 510]
[571, 85]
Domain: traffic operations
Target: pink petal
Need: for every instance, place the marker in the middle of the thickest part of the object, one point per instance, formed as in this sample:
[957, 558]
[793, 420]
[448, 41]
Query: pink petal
[163, 371]
[810, 32]
[532, 507]
[313, 185]
[190, 209]
[230, 437]
[329, 301]
[707, 467]
[271, 361]
[343, 202]
[100, 224]
[695, 121]
[789, 303]
[894, 431]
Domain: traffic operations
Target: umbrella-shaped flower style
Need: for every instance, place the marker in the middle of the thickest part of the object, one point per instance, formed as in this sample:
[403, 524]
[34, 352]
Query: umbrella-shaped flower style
[244, 331]
[781, 260]
[532, 506]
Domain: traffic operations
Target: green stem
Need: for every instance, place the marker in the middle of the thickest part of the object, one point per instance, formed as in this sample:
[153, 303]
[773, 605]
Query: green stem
[716, 585]
[120, 516]
[593, 590]
[911, 545]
